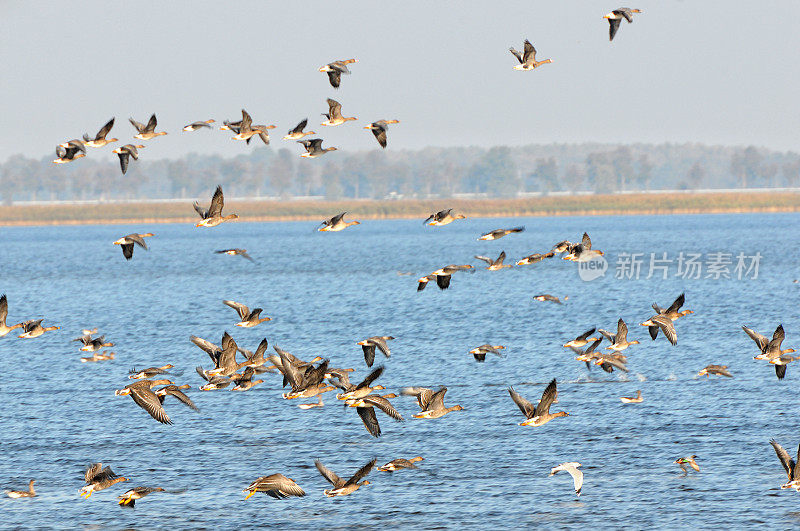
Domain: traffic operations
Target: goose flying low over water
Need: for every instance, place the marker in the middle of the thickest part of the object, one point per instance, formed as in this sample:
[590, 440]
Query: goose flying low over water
[663, 323]
[69, 151]
[138, 374]
[789, 465]
[314, 148]
[125, 153]
[98, 478]
[615, 18]
[400, 464]
[365, 407]
[527, 59]
[494, 265]
[620, 341]
[688, 460]
[443, 217]
[275, 486]
[30, 493]
[336, 223]
[368, 346]
[379, 129]
[335, 69]
[234, 252]
[720, 370]
[249, 319]
[572, 470]
[538, 415]
[297, 132]
[100, 139]
[632, 399]
[442, 276]
[213, 216]
[479, 353]
[535, 257]
[146, 132]
[4, 328]
[432, 404]
[334, 114]
[33, 329]
[198, 125]
[128, 499]
[340, 486]
[581, 340]
[499, 233]
[546, 297]
[581, 252]
[126, 243]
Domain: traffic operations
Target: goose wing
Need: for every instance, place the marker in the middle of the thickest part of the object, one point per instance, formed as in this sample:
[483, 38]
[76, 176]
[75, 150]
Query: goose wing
[240, 308]
[151, 124]
[524, 405]
[485, 259]
[180, 395]
[335, 77]
[4, 310]
[370, 420]
[379, 130]
[760, 340]
[613, 26]
[95, 469]
[586, 334]
[138, 125]
[299, 127]
[329, 475]
[217, 202]
[371, 377]
[101, 134]
[437, 400]
[548, 397]
[443, 281]
[334, 109]
[500, 258]
[516, 54]
[787, 462]
[200, 210]
[138, 240]
[677, 303]
[529, 52]
[667, 327]
[384, 405]
[622, 332]
[362, 472]
[147, 400]
[369, 354]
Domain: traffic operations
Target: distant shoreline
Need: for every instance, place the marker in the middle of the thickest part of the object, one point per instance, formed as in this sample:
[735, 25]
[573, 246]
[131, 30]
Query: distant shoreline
[263, 211]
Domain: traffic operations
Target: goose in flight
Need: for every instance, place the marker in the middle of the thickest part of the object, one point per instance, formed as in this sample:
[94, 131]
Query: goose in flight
[494, 265]
[334, 114]
[314, 148]
[581, 252]
[379, 129]
[33, 329]
[538, 415]
[789, 465]
[535, 257]
[615, 18]
[572, 470]
[249, 319]
[100, 139]
[275, 486]
[128, 499]
[126, 243]
[431, 403]
[297, 133]
[479, 353]
[4, 328]
[335, 69]
[399, 464]
[141, 393]
[365, 407]
[146, 132]
[443, 217]
[527, 59]
[620, 341]
[125, 153]
[499, 233]
[336, 223]
[234, 252]
[442, 276]
[98, 478]
[688, 460]
[340, 486]
[69, 151]
[546, 297]
[368, 346]
[581, 340]
[213, 216]
[720, 370]
[198, 125]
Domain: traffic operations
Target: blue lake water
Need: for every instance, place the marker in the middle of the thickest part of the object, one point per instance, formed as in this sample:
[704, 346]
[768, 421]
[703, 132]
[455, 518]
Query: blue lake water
[326, 291]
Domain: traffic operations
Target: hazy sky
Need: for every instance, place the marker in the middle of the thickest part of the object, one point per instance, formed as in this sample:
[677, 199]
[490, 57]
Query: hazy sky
[718, 72]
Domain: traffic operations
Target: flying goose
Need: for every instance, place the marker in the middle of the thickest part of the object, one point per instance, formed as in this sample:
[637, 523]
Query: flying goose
[275, 486]
[538, 415]
[620, 341]
[789, 465]
[688, 460]
[249, 319]
[297, 133]
[234, 252]
[128, 499]
[499, 233]
[33, 329]
[399, 464]
[365, 407]
[336, 223]
[581, 340]
[615, 18]
[546, 297]
[198, 125]
[535, 257]
[4, 328]
[69, 151]
[379, 129]
[572, 469]
[213, 216]
[434, 407]
[335, 69]
[146, 132]
[341, 487]
[494, 265]
[479, 353]
[126, 243]
[125, 153]
[314, 148]
[443, 217]
[100, 139]
[527, 59]
[441, 276]
[368, 346]
[721, 370]
[139, 374]
[581, 252]
[334, 114]
[98, 478]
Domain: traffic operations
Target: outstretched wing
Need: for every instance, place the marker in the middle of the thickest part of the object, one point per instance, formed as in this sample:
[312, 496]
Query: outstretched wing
[217, 201]
[329, 474]
[613, 26]
[524, 405]
[105, 129]
[548, 397]
[243, 310]
[529, 52]
[362, 472]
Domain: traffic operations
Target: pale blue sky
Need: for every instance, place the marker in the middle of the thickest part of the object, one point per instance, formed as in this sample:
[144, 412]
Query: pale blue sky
[718, 72]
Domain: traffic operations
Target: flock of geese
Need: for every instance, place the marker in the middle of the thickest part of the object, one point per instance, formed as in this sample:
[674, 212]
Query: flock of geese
[237, 368]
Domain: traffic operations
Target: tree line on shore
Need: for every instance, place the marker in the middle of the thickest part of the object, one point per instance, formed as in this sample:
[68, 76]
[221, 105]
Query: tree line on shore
[431, 172]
